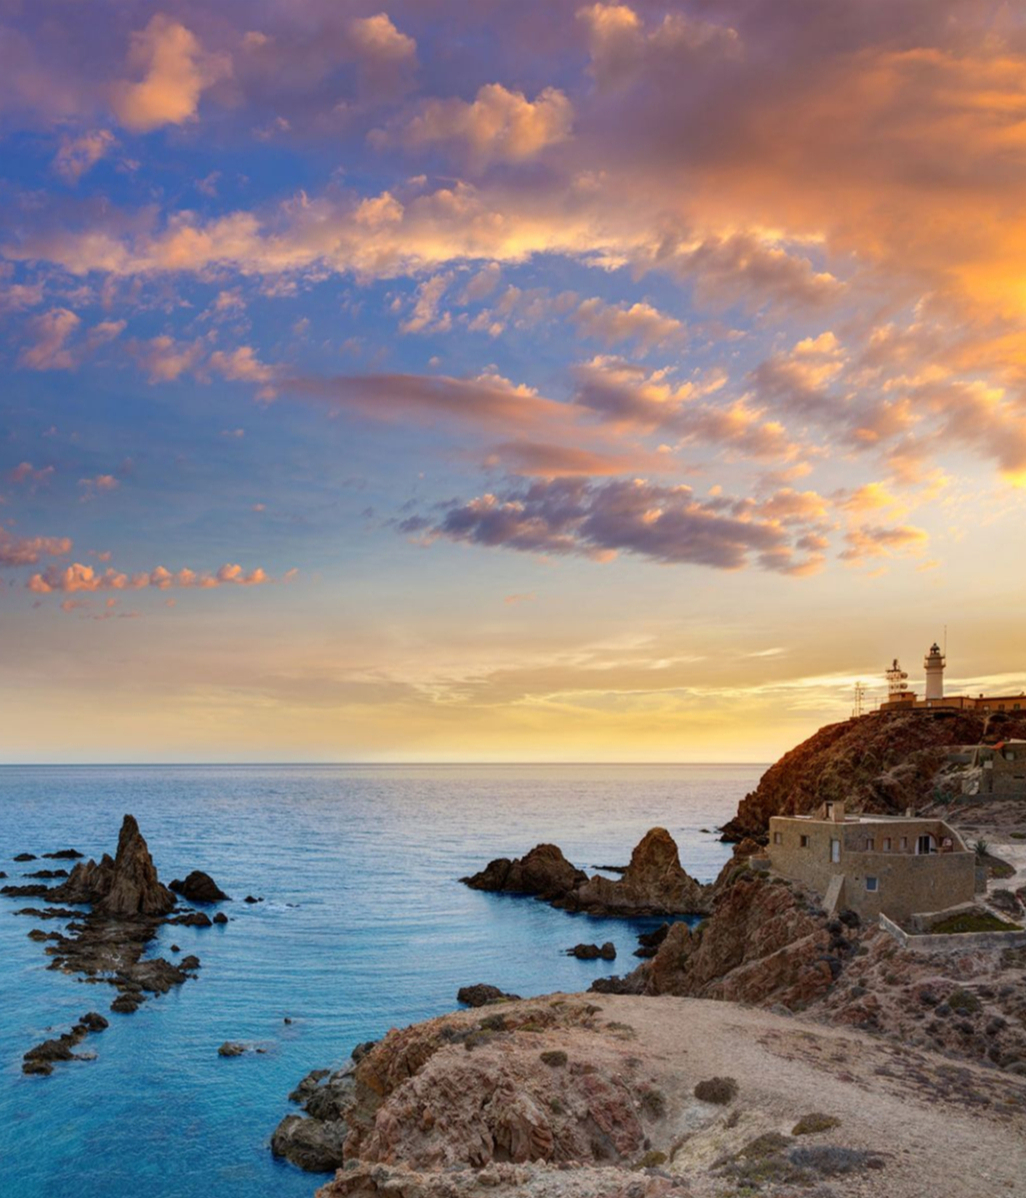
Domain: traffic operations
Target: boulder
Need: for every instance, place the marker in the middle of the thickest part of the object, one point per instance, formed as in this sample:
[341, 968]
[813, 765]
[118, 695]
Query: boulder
[593, 952]
[199, 887]
[543, 872]
[311, 1144]
[231, 1048]
[64, 855]
[24, 857]
[220, 917]
[193, 919]
[481, 994]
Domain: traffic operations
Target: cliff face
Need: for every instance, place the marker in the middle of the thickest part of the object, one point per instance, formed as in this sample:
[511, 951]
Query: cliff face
[881, 763]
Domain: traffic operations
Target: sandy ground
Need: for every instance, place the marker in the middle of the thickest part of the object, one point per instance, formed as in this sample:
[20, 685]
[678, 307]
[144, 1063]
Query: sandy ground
[946, 1129]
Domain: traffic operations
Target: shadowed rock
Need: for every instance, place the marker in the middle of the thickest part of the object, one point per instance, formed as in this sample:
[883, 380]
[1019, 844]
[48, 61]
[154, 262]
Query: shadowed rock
[543, 872]
[482, 994]
[314, 1143]
[199, 887]
[593, 952]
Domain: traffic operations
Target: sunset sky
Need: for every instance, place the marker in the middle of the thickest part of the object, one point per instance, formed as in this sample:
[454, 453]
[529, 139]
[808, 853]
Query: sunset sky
[503, 381]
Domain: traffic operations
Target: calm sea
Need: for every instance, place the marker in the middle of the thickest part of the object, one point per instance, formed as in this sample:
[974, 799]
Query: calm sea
[364, 927]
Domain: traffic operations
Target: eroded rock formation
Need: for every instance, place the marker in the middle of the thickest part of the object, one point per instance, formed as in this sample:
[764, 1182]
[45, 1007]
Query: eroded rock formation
[654, 883]
[108, 943]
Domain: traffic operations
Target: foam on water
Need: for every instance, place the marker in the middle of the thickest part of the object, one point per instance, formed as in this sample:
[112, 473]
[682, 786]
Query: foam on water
[363, 927]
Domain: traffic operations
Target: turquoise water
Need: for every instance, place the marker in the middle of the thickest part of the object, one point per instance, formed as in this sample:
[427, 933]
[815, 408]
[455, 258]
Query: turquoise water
[364, 927]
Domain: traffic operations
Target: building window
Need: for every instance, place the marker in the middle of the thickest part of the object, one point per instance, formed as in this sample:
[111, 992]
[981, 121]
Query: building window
[904, 844]
[805, 842]
[778, 838]
[887, 844]
[870, 844]
[835, 851]
[872, 883]
[926, 844]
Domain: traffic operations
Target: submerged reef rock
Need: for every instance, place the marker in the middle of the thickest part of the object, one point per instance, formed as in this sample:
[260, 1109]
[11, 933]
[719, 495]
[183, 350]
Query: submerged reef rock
[199, 887]
[883, 762]
[106, 944]
[654, 883]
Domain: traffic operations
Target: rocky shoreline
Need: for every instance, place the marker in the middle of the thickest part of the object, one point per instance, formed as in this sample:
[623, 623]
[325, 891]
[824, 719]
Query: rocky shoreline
[553, 1098]
[128, 904]
[654, 883]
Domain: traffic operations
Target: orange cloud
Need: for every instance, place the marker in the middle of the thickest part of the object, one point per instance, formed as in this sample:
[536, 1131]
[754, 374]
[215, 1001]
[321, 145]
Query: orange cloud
[176, 71]
[78, 577]
[498, 125]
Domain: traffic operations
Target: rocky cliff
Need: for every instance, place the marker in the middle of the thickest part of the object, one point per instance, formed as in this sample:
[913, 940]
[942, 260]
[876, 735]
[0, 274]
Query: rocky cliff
[883, 762]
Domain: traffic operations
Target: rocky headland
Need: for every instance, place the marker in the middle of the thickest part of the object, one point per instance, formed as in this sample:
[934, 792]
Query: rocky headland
[883, 762]
[127, 904]
[627, 1097]
[768, 1049]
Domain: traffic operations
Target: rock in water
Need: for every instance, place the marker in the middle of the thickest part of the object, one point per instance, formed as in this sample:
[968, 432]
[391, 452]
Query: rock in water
[482, 994]
[199, 887]
[653, 884]
[593, 952]
[135, 888]
[315, 1143]
[544, 872]
[312, 1144]
[126, 885]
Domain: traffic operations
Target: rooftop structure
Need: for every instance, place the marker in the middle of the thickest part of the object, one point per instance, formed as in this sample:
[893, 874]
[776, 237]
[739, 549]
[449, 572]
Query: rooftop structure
[901, 698]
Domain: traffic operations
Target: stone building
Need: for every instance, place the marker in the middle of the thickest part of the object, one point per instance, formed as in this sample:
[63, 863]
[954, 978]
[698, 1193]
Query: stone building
[1002, 769]
[874, 864]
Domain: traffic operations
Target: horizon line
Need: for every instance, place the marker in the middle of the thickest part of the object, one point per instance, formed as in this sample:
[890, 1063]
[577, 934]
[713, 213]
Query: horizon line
[346, 764]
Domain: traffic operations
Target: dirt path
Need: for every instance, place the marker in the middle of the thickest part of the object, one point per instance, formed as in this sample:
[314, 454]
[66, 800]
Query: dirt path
[945, 1129]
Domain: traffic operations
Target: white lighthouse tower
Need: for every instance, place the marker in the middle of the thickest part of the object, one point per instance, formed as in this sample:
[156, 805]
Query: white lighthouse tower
[934, 663]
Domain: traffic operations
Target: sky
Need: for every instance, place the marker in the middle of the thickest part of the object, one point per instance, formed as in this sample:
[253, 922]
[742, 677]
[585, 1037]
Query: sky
[503, 382]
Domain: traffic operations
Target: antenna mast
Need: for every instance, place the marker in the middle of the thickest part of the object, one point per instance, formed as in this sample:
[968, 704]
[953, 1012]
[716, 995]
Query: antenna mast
[860, 700]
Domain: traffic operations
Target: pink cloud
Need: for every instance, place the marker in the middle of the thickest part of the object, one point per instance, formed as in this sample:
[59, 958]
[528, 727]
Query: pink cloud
[27, 551]
[50, 333]
[82, 578]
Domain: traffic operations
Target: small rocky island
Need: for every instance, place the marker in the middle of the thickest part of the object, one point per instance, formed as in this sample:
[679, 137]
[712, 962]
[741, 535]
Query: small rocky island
[128, 903]
[654, 883]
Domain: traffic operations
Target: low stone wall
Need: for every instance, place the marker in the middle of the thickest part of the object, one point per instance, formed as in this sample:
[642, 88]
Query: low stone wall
[953, 942]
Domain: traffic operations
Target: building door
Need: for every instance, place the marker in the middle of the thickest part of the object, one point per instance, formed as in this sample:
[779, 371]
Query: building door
[835, 851]
[926, 844]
